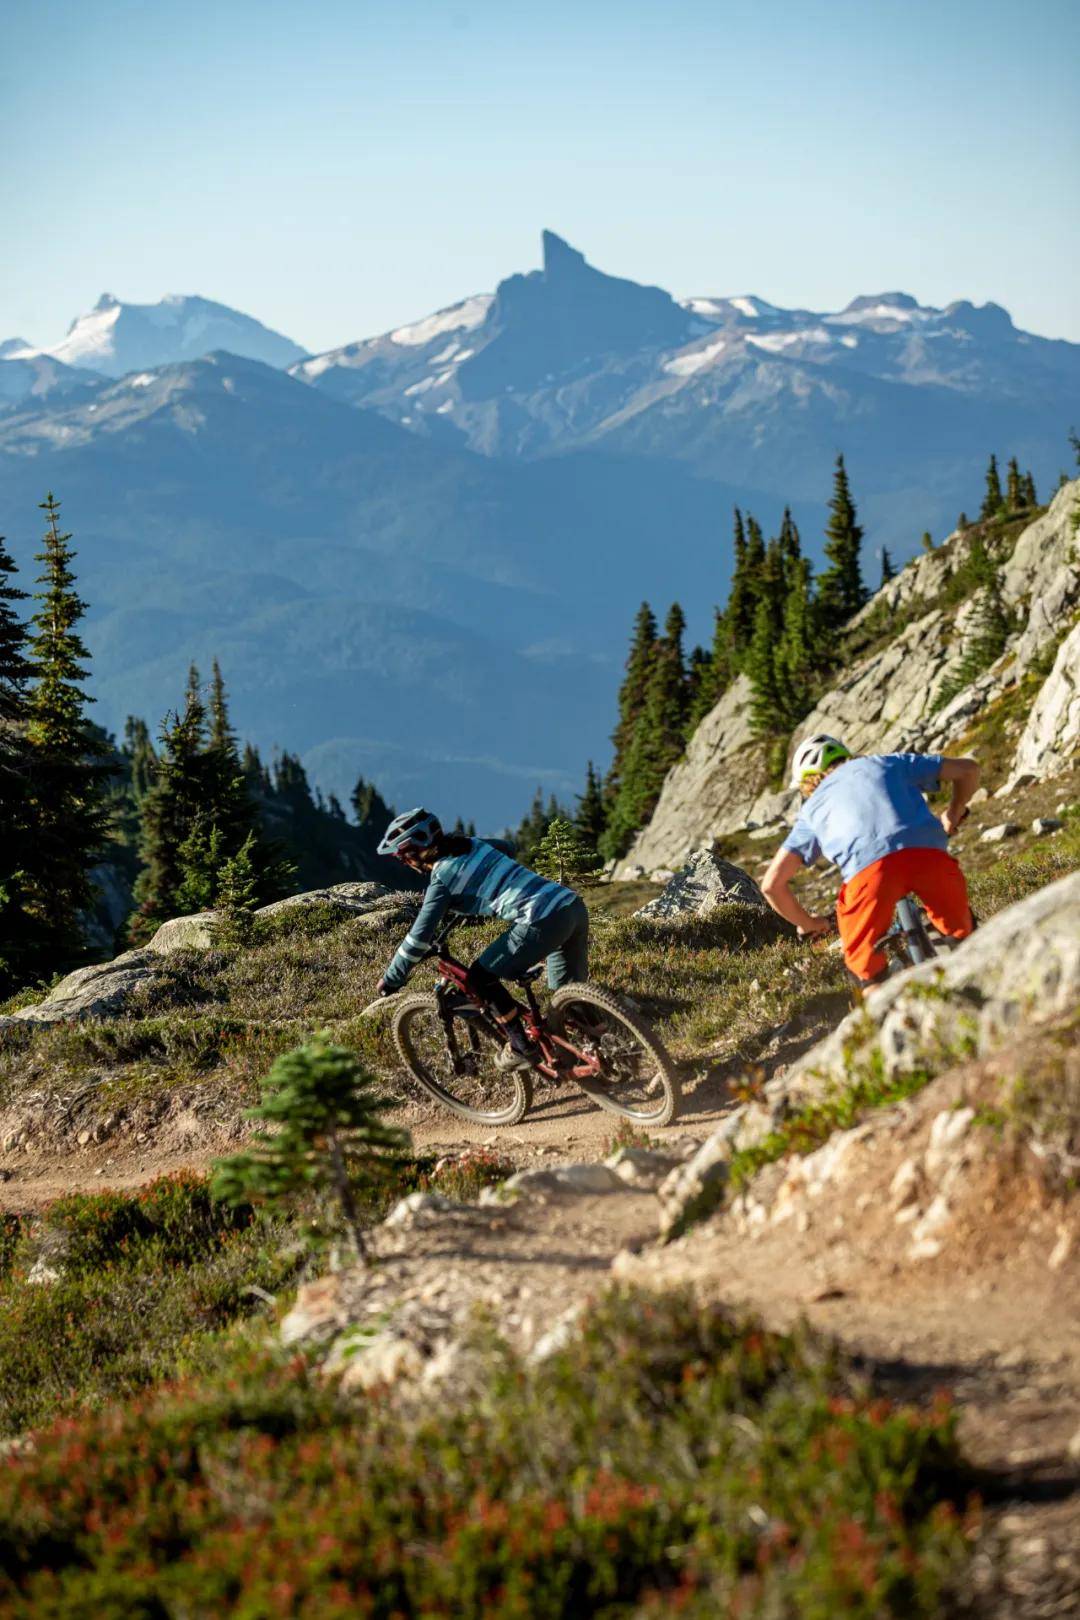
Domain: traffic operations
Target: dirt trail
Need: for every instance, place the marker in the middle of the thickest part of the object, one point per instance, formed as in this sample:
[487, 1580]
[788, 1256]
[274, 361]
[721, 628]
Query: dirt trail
[562, 1122]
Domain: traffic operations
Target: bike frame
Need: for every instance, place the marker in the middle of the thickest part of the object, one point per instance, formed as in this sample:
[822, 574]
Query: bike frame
[555, 1052]
[908, 929]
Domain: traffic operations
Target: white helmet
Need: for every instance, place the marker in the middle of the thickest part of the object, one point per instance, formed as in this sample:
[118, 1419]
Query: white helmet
[817, 754]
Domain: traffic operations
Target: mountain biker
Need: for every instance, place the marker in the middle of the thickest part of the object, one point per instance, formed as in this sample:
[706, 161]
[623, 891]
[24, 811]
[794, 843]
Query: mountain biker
[472, 876]
[867, 813]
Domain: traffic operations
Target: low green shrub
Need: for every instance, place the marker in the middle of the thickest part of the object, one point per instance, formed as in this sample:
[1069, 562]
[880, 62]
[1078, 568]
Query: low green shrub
[173, 1218]
[669, 1458]
[1014, 876]
[109, 1334]
[809, 1127]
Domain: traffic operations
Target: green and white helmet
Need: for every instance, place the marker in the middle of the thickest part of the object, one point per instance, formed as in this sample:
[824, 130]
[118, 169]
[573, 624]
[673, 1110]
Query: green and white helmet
[817, 754]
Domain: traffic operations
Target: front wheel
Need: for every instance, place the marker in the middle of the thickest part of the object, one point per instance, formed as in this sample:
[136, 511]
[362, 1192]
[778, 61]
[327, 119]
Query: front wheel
[484, 1094]
[637, 1077]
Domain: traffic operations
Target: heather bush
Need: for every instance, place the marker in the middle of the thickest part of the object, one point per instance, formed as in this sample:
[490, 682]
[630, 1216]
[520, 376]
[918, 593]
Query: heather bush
[671, 1459]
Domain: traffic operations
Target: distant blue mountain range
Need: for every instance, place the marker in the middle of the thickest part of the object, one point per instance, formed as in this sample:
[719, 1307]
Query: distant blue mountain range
[417, 556]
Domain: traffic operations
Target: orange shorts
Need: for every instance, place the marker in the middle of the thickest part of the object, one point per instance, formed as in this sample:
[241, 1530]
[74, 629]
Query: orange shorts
[865, 904]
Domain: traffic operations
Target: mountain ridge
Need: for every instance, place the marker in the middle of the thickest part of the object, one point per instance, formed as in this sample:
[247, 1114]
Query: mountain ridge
[520, 468]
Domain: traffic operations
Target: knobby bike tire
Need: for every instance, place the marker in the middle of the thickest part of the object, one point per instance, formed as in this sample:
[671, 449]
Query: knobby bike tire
[661, 1103]
[418, 1030]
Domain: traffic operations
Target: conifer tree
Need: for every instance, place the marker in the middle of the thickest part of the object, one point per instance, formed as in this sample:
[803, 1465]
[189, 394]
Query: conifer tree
[370, 808]
[988, 629]
[795, 660]
[256, 774]
[142, 758]
[202, 857]
[668, 692]
[790, 544]
[657, 741]
[591, 817]
[19, 935]
[564, 855]
[840, 587]
[887, 570]
[173, 823]
[992, 500]
[751, 589]
[735, 625]
[1014, 491]
[66, 797]
[766, 700]
[699, 683]
[327, 1140]
[710, 673]
[928, 539]
[531, 829]
[236, 896]
[15, 667]
[229, 805]
[1031, 500]
[632, 694]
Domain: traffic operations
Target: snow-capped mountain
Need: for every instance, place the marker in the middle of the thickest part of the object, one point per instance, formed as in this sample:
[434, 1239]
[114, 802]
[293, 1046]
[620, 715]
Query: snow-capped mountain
[115, 338]
[484, 370]
[567, 357]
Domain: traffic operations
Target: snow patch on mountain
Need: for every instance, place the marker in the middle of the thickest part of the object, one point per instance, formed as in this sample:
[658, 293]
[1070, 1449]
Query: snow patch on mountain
[776, 342]
[863, 310]
[463, 317]
[684, 365]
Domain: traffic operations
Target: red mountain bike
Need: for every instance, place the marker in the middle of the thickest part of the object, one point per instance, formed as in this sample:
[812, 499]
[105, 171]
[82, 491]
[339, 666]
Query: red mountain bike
[451, 1044]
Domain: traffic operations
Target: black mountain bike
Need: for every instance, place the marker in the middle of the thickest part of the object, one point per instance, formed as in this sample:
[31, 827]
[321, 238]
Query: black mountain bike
[454, 1047]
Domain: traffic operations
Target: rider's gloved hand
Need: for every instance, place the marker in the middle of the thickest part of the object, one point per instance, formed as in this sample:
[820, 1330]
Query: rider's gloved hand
[383, 989]
[816, 927]
[952, 823]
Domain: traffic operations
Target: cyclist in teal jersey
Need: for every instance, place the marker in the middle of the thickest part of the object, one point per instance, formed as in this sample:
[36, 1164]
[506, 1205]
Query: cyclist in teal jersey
[471, 876]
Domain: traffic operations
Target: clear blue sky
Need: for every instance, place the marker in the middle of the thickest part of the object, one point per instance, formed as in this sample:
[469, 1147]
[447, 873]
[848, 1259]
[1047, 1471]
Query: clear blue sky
[337, 167]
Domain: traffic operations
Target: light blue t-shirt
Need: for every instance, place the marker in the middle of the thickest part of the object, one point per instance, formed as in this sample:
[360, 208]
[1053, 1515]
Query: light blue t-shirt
[869, 808]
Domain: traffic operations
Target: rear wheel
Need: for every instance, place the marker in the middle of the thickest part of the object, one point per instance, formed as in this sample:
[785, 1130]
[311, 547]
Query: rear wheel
[486, 1094]
[637, 1078]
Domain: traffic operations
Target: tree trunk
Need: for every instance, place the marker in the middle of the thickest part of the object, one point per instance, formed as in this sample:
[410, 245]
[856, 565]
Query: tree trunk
[345, 1196]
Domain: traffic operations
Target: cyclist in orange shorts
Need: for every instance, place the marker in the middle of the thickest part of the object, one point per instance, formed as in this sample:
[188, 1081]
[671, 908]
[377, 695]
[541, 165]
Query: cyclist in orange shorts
[868, 814]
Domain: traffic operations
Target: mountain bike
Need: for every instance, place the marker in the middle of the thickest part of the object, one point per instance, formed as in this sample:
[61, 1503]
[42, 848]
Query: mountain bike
[451, 1042]
[908, 941]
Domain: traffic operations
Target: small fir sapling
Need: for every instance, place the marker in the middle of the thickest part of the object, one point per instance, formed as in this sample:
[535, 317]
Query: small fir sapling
[564, 855]
[324, 1139]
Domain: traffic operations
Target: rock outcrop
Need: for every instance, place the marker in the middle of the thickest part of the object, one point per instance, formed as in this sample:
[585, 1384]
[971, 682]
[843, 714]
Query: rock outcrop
[105, 988]
[889, 699]
[704, 883]
[713, 788]
[1022, 967]
[1050, 741]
